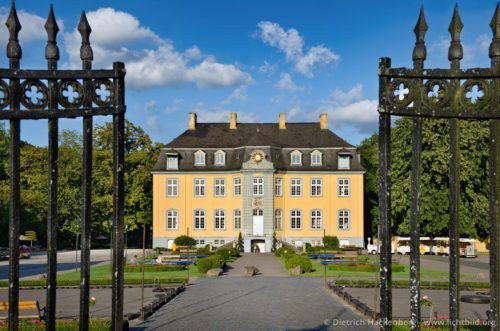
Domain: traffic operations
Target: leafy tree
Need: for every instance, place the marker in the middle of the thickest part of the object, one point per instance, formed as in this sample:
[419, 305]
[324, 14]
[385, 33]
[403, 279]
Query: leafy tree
[239, 244]
[434, 185]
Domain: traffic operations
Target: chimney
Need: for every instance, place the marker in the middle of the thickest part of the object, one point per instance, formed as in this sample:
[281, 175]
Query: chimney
[282, 124]
[232, 121]
[192, 121]
[323, 121]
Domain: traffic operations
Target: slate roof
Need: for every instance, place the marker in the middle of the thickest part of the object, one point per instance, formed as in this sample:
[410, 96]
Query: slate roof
[304, 137]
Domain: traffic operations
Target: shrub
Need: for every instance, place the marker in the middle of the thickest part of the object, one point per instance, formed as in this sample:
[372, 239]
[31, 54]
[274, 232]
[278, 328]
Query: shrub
[331, 242]
[279, 252]
[203, 250]
[234, 252]
[213, 261]
[185, 241]
[224, 253]
[153, 268]
[297, 260]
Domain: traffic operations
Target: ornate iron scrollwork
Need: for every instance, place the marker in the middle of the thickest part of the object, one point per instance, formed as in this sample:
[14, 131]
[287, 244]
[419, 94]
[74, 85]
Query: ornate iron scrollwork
[400, 92]
[103, 92]
[34, 94]
[70, 93]
[5, 94]
[480, 101]
[436, 93]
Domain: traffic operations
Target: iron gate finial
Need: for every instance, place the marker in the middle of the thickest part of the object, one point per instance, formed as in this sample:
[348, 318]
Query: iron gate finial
[13, 48]
[51, 50]
[420, 52]
[495, 42]
[455, 52]
[86, 53]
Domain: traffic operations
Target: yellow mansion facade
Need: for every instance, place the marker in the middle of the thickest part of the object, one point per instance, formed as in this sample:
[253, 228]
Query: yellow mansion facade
[299, 180]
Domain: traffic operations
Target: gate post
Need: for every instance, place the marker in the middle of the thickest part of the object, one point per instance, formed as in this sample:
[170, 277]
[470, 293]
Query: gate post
[14, 54]
[494, 54]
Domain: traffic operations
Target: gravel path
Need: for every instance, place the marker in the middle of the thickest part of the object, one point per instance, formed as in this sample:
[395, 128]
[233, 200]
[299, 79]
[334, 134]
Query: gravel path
[267, 264]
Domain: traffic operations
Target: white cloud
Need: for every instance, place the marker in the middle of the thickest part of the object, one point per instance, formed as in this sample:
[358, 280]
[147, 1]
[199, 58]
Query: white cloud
[286, 83]
[349, 107]
[267, 68]
[292, 44]
[474, 51]
[239, 94]
[221, 115]
[175, 106]
[293, 113]
[158, 64]
[152, 118]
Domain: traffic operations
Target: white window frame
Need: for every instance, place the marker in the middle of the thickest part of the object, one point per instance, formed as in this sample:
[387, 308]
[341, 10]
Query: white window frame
[172, 187]
[237, 219]
[201, 218]
[278, 186]
[172, 220]
[295, 187]
[278, 219]
[220, 158]
[344, 219]
[219, 187]
[175, 164]
[343, 157]
[219, 219]
[295, 219]
[344, 187]
[202, 184]
[316, 187]
[258, 186]
[316, 219]
[296, 158]
[237, 186]
[316, 158]
[200, 158]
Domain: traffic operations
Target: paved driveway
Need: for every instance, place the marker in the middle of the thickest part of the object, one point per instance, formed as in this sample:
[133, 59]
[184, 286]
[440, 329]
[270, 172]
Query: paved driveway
[267, 264]
[270, 301]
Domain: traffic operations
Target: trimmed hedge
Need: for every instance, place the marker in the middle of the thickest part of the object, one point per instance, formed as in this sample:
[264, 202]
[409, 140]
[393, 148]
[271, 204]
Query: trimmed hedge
[213, 261]
[364, 267]
[185, 241]
[297, 260]
[153, 268]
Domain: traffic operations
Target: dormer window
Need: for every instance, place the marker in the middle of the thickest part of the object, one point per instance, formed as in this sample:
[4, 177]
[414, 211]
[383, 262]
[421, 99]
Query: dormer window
[316, 158]
[172, 161]
[344, 161]
[220, 158]
[199, 158]
[296, 158]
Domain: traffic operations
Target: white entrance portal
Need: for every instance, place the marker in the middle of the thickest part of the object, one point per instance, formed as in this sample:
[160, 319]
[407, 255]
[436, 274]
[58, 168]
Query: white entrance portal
[258, 222]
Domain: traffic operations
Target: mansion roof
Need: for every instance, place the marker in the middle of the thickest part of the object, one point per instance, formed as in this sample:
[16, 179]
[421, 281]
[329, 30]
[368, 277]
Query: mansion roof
[276, 140]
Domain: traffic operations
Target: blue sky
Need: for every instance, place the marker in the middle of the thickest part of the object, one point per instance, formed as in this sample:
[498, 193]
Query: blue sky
[257, 58]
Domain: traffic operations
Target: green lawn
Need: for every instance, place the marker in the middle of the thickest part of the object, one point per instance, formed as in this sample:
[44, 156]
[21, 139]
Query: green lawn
[103, 272]
[425, 273]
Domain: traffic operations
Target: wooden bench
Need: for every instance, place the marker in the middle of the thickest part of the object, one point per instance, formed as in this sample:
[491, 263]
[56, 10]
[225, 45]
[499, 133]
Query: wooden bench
[24, 305]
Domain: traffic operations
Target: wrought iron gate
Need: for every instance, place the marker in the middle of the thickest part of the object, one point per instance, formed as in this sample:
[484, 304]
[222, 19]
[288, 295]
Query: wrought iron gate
[43, 94]
[405, 92]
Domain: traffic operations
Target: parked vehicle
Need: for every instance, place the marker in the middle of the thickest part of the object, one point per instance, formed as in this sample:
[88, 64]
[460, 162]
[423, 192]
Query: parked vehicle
[467, 247]
[371, 248]
[425, 245]
[441, 246]
[402, 245]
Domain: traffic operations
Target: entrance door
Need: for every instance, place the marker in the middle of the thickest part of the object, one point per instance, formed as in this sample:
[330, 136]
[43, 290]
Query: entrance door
[258, 222]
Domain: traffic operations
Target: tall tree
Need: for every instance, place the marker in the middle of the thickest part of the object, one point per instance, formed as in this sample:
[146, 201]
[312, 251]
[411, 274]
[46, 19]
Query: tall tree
[434, 185]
